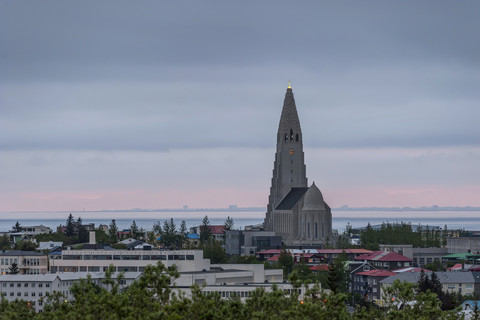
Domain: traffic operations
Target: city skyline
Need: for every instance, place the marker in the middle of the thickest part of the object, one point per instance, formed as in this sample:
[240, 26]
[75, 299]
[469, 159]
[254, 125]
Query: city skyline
[116, 105]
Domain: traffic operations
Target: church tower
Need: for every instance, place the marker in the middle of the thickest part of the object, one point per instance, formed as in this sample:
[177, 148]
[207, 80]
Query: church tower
[295, 211]
[289, 166]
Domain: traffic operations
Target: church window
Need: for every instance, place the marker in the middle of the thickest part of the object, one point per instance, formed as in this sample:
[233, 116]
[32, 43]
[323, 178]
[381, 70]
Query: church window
[296, 137]
[286, 136]
[316, 230]
[291, 135]
[308, 230]
[292, 152]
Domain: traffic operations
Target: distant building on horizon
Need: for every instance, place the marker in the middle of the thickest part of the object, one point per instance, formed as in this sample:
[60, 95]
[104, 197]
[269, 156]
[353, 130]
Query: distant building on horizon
[295, 211]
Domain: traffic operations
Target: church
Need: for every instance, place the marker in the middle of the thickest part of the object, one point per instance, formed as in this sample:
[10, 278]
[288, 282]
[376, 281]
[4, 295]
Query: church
[295, 211]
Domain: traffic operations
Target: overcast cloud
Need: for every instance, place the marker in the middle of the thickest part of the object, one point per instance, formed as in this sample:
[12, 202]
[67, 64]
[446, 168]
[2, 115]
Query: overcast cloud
[118, 104]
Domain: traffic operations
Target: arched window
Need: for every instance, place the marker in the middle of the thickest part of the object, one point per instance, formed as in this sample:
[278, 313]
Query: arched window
[291, 135]
[286, 136]
[296, 137]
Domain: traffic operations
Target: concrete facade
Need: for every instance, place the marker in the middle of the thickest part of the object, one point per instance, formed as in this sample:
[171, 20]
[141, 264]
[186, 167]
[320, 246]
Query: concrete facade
[34, 287]
[248, 242]
[28, 262]
[463, 244]
[126, 260]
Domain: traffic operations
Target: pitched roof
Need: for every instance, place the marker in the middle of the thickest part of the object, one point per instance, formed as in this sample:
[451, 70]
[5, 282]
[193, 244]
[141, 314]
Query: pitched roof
[383, 256]
[411, 269]
[20, 253]
[320, 267]
[217, 229]
[291, 198]
[377, 273]
[274, 258]
[358, 251]
[443, 277]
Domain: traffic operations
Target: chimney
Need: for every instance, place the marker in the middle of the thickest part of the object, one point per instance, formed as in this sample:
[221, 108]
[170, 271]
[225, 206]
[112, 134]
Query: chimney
[92, 237]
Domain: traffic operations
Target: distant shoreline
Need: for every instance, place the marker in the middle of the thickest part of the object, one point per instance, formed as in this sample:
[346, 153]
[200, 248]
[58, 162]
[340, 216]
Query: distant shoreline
[256, 209]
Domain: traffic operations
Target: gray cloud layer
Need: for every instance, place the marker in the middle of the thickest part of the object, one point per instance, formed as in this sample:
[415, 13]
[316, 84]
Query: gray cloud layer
[124, 75]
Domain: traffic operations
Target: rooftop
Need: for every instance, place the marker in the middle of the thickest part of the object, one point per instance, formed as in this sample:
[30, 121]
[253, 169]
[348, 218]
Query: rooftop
[383, 256]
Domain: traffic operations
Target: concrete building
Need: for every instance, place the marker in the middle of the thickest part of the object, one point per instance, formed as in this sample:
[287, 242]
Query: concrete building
[126, 260]
[420, 256]
[34, 287]
[463, 283]
[248, 242]
[367, 283]
[28, 262]
[385, 260]
[463, 245]
[34, 230]
[295, 211]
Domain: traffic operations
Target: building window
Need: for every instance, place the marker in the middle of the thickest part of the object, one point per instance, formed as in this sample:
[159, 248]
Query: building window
[316, 230]
[308, 230]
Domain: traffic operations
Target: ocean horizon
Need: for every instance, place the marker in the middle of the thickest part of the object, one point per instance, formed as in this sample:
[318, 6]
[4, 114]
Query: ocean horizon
[468, 220]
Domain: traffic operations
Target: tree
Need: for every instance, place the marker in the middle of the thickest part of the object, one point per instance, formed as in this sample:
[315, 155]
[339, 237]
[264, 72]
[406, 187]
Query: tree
[134, 230]
[81, 231]
[229, 223]
[17, 227]
[112, 232]
[70, 226]
[25, 246]
[169, 236]
[13, 269]
[5, 242]
[338, 276]
[183, 232]
[214, 251]
[285, 260]
[205, 232]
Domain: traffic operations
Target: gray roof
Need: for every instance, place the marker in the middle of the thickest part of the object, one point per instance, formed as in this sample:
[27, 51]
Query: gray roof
[444, 277]
[64, 276]
[20, 253]
[291, 198]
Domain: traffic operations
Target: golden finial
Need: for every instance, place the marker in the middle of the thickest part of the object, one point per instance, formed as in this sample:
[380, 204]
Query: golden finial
[289, 85]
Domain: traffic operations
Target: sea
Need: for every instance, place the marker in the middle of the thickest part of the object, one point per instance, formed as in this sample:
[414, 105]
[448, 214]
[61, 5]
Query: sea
[468, 220]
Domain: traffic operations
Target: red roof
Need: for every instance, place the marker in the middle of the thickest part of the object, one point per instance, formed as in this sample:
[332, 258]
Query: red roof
[320, 267]
[383, 256]
[327, 251]
[274, 258]
[455, 267]
[377, 273]
[305, 255]
[218, 229]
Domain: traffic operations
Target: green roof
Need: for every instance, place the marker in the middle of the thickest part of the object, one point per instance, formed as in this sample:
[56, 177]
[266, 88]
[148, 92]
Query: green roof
[462, 256]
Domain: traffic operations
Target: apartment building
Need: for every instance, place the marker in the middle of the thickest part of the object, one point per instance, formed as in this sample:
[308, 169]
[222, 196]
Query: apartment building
[125, 260]
[28, 262]
[33, 288]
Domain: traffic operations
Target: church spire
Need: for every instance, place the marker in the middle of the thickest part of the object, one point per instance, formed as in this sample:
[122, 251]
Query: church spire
[289, 166]
[289, 126]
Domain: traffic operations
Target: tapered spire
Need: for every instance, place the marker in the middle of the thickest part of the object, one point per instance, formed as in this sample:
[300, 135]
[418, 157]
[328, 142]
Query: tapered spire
[289, 121]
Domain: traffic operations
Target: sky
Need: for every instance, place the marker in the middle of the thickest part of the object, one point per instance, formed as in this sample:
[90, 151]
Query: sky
[159, 104]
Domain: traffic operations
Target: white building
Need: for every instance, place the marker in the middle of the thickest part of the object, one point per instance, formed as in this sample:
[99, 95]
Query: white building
[34, 230]
[28, 262]
[126, 260]
[34, 287]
